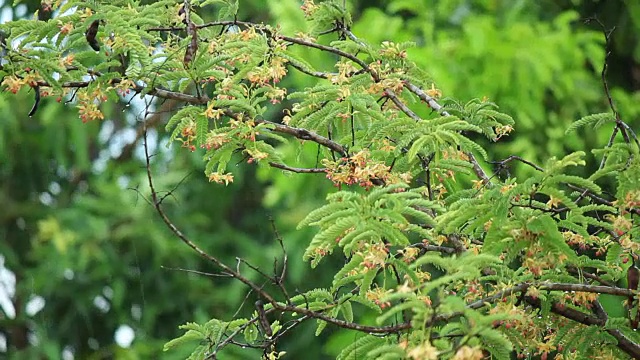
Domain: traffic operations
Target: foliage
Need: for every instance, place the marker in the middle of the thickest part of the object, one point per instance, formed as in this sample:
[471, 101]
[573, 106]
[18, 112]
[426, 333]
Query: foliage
[438, 257]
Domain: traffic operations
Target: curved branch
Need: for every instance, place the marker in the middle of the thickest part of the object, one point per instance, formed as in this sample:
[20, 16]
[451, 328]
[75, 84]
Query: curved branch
[624, 343]
[159, 92]
[389, 92]
[333, 50]
[259, 290]
[302, 134]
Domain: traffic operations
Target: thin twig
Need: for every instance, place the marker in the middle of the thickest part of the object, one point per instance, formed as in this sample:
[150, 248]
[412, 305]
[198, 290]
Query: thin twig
[261, 292]
[279, 279]
[598, 289]
[297, 170]
[501, 164]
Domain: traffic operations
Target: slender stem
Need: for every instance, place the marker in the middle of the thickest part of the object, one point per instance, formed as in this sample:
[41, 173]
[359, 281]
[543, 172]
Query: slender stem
[298, 170]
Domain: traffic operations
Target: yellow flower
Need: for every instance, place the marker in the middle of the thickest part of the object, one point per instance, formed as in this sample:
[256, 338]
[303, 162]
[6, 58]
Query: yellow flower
[309, 7]
[67, 60]
[13, 83]
[277, 70]
[212, 112]
[534, 292]
[433, 92]
[344, 92]
[553, 202]
[89, 111]
[545, 347]
[220, 178]
[468, 353]
[248, 34]
[257, 155]
[66, 28]
[215, 140]
[424, 351]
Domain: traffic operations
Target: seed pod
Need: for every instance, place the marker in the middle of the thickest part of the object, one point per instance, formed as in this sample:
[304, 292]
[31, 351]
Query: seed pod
[36, 103]
[633, 277]
[183, 14]
[90, 35]
[192, 48]
[262, 319]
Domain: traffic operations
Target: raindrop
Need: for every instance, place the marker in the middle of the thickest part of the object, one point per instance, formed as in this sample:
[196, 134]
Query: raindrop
[124, 336]
[33, 339]
[136, 311]
[107, 292]
[21, 10]
[101, 303]
[55, 188]
[68, 274]
[46, 198]
[67, 353]
[34, 305]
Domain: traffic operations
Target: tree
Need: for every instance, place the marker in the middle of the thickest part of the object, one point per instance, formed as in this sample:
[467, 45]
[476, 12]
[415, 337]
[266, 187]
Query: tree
[439, 258]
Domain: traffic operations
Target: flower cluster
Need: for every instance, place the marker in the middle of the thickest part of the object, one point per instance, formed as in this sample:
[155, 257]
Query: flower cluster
[390, 78]
[215, 140]
[275, 94]
[374, 255]
[188, 135]
[274, 71]
[65, 28]
[631, 201]
[423, 351]
[378, 295]
[502, 131]
[345, 70]
[309, 8]
[212, 112]
[360, 169]
[221, 177]
[123, 87]
[537, 260]
[13, 83]
[409, 254]
[621, 225]
[392, 50]
[89, 104]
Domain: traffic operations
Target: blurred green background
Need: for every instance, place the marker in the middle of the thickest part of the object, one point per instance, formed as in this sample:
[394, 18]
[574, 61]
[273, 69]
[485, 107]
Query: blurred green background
[87, 270]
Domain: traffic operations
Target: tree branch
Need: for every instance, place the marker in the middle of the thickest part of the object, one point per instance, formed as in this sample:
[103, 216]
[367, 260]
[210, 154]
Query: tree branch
[304, 134]
[261, 292]
[297, 170]
[598, 289]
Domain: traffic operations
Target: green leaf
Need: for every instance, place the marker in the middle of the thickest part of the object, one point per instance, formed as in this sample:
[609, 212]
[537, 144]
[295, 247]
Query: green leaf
[190, 335]
[499, 346]
[546, 228]
[347, 311]
[595, 119]
[202, 128]
[361, 346]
